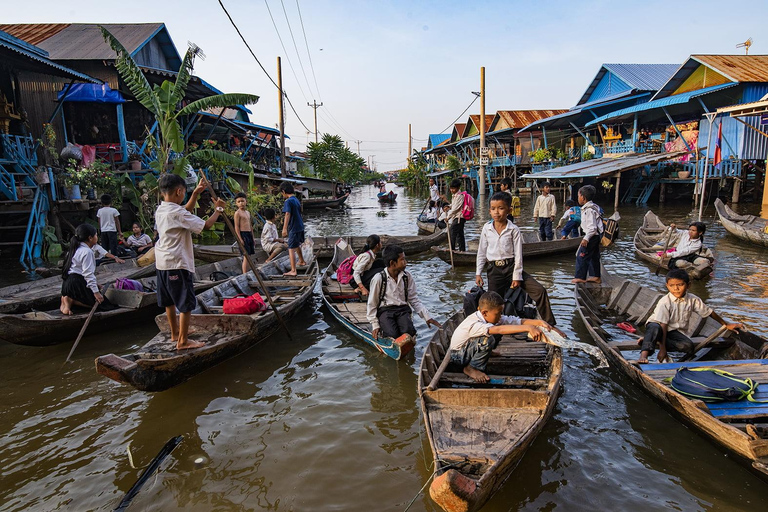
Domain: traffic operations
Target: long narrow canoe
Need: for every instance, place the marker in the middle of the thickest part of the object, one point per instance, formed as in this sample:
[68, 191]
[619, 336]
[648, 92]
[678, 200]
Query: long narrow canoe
[387, 197]
[45, 293]
[654, 232]
[532, 248]
[479, 432]
[427, 227]
[43, 328]
[158, 365]
[737, 427]
[747, 227]
[318, 203]
[349, 308]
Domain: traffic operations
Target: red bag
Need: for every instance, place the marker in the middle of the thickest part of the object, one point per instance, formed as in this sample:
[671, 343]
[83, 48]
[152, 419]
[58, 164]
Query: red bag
[244, 305]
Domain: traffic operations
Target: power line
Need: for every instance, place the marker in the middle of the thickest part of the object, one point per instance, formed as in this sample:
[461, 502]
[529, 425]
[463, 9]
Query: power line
[309, 54]
[259, 63]
[290, 30]
[459, 117]
[287, 57]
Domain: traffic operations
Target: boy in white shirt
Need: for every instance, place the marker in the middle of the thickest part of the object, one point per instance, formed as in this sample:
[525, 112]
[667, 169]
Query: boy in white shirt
[434, 193]
[545, 211]
[174, 258]
[588, 255]
[455, 218]
[474, 339]
[270, 243]
[109, 224]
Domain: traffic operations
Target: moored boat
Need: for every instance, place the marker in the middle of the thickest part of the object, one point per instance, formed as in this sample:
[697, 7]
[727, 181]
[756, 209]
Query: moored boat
[652, 238]
[427, 227]
[747, 227]
[533, 248]
[479, 432]
[158, 365]
[734, 426]
[350, 309]
[387, 197]
[317, 203]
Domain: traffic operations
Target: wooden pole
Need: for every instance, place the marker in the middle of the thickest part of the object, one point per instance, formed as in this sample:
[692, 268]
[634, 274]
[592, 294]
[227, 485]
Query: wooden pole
[255, 270]
[616, 197]
[283, 172]
[450, 248]
[410, 144]
[82, 330]
[702, 190]
[664, 255]
[481, 172]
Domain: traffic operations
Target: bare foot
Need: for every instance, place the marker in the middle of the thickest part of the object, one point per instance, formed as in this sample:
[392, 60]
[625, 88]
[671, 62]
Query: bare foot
[642, 360]
[662, 356]
[476, 374]
[291, 273]
[576, 281]
[594, 280]
[189, 344]
[302, 263]
[65, 310]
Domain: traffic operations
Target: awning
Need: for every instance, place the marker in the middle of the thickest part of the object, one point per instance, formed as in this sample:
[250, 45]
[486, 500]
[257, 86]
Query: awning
[91, 93]
[439, 173]
[603, 166]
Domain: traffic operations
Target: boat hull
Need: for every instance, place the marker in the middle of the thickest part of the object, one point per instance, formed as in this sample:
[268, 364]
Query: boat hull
[746, 227]
[532, 249]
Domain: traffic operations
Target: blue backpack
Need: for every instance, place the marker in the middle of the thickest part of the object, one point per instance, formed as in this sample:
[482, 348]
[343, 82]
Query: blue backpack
[712, 385]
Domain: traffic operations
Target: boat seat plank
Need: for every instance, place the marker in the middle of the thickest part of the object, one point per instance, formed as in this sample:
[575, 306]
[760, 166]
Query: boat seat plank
[496, 380]
[633, 345]
[702, 364]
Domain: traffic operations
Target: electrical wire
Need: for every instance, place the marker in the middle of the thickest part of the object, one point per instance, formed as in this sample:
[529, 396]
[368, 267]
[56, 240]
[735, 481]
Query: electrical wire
[295, 47]
[450, 126]
[309, 54]
[285, 50]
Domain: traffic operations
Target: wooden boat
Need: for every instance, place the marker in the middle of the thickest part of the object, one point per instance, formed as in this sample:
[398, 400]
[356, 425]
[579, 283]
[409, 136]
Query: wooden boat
[747, 227]
[387, 197]
[158, 365]
[318, 203]
[42, 328]
[479, 432]
[427, 227]
[214, 253]
[737, 427]
[349, 308]
[46, 293]
[533, 248]
[653, 232]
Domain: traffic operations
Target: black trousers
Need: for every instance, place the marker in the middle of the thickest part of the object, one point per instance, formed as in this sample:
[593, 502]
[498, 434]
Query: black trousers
[109, 241]
[676, 341]
[500, 279]
[457, 235]
[396, 321]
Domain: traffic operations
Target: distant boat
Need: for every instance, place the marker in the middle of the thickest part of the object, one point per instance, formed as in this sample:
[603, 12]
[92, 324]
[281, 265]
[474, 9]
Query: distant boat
[319, 203]
[387, 197]
[532, 248]
[747, 227]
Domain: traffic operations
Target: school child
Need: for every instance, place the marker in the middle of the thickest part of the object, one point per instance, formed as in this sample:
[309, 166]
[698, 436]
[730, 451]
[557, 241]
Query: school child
[572, 220]
[454, 218]
[501, 245]
[545, 211]
[271, 244]
[474, 340]
[392, 298]
[431, 215]
[367, 265]
[293, 226]
[102, 255]
[506, 186]
[588, 255]
[109, 224]
[442, 221]
[670, 319]
[244, 228]
[80, 287]
[174, 258]
[434, 193]
[688, 247]
[139, 241]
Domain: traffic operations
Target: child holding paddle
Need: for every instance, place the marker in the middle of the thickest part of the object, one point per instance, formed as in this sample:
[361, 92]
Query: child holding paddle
[174, 257]
[80, 287]
[669, 321]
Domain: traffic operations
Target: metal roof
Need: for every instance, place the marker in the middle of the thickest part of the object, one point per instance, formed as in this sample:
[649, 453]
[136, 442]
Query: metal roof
[520, 118]
[39, 55]
[475, 119]
[245, 124]
[438, 173]
[603, 166]
[662, 102]
[435, 139]
[34, 33]
[737, 68]
[640, 77]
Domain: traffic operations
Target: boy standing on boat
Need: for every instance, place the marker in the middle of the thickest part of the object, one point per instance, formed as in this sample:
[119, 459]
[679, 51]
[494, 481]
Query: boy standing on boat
[473, 340]
[109, 224]
[434, 193]
[669, 321]
[270, 243]
[501, 245]
[545, 211]
[174, 257]
[392, 298]
[588, 255]
[244, 228]
[293, 226]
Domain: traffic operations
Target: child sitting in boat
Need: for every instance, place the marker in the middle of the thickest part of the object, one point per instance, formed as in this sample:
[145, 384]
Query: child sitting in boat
[689, 248]
[392, 298]
[442, 219]
[473, 342]
[80, 287]
[669, 322]
[366, 265]
[431, 215]
[572, 220]
[139, 241]
[271, 244]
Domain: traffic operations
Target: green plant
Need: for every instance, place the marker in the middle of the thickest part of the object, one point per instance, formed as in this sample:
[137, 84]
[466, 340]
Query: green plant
[48, 143]
[561, 155]
[452, 163]
[587, 156]
[540, 155]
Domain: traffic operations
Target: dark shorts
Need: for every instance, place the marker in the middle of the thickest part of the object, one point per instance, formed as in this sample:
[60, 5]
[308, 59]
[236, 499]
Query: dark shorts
[176, 288]
[295, 239]
[247, 237]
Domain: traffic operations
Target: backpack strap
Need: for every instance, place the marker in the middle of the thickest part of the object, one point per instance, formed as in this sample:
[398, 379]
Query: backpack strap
[383, 289]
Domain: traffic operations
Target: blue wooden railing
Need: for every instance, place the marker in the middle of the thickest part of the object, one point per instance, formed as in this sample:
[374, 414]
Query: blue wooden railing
[32, 248]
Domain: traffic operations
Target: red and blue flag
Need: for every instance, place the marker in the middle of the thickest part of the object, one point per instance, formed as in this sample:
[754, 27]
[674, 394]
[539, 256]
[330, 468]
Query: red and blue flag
[718, 152]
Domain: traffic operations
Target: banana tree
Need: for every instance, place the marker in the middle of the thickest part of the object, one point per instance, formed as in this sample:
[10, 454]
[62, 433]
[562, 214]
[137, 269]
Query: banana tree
[164, 102]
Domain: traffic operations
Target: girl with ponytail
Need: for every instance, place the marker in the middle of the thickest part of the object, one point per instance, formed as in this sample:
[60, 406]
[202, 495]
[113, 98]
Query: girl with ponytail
[367, 265]
[80, 287]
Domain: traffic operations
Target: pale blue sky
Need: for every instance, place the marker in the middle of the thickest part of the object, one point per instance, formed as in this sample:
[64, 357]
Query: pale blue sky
[385, 64]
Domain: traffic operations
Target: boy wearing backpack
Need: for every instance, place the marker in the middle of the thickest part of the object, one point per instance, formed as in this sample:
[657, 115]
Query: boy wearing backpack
[462, 209]
[669, 321]
[392, 298]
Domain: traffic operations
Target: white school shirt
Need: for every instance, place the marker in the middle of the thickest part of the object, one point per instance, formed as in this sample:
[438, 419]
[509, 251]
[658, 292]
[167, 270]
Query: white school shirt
[393, 296]
[676, 312]
[268, 236]
[432, 214]
[591, 223]
[84, 263]
[545, 206]
[434, 194]
[106, 216]
[362, 263]
[457, 205]
[443, 216]
[494, 246]
[99, 252]
[138, 241]
[475, 325]
[685, 246]
[175, 226]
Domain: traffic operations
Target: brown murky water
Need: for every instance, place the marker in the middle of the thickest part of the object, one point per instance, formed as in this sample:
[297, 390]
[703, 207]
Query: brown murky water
[327, 423]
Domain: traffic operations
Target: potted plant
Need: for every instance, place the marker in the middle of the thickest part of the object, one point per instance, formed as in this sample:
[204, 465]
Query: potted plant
[73, 179]
[134, 160]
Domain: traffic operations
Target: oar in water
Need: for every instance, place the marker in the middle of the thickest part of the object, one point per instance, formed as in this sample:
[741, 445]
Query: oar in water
[153, 466]
[666, 245]
[82, 330]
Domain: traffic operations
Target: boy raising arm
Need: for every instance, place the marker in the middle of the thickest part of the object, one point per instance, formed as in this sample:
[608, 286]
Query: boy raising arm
[243, 228]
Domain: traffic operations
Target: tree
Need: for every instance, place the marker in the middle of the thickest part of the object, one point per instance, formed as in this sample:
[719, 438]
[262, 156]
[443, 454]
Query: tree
[331, 160]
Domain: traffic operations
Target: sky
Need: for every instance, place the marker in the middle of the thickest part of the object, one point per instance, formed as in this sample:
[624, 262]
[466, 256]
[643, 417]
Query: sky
[379, 65]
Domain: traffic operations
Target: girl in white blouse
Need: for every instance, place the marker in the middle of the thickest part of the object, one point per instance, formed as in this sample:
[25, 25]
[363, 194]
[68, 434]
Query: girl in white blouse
[366, 265]
[80, 287]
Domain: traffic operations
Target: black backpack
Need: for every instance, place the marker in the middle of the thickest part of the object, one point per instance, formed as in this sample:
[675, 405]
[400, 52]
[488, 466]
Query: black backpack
[518, 303]
[471, 299]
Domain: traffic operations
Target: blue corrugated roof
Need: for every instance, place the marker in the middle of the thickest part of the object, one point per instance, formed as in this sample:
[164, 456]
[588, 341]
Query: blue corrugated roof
[437, 138]
[640, 77]
[661, 102]
[39, 55]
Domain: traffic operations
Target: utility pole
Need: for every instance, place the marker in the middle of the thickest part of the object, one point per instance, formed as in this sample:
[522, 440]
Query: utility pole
[314, 105]
[358, 147]
[410, 143]
[282, 118]
[483, 149]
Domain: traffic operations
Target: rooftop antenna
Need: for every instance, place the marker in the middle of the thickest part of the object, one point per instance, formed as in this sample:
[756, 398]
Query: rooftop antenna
[196, 50]
[746, 44]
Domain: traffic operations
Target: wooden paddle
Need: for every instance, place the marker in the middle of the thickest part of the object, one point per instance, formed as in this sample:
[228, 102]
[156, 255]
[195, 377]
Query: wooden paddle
[82, 330]
[666, 245]
[255, 270]
[704, 343]
[450, 249]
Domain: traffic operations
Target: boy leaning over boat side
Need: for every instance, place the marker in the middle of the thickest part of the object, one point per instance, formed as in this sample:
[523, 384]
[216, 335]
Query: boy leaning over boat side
[473, 342]
[174, 256]
[669, 321]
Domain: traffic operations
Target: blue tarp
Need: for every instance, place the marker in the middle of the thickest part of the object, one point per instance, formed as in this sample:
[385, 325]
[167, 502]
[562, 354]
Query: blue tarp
[91, 93]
